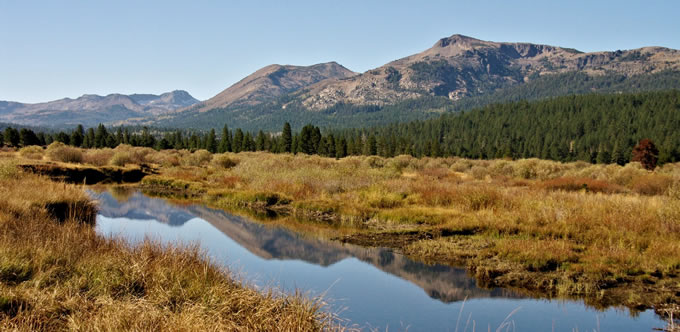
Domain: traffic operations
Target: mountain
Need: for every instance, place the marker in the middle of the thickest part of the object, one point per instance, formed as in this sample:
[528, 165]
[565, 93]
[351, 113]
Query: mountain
[91, 110]
[274, 81]
[458, 67]
[456, 73]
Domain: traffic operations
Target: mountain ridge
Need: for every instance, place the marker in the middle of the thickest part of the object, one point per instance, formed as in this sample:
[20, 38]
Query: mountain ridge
[91, 109]
[273, 81]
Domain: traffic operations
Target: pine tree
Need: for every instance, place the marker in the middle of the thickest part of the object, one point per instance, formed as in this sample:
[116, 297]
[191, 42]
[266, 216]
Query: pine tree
[237, 144]
[77, 136]
[260, 141]
[28, 137]
[119, 136]
[341, 148]
[12, 137]
[100, 136]
[126, 137]
[211, 141]
[225, 140]
[287, 138]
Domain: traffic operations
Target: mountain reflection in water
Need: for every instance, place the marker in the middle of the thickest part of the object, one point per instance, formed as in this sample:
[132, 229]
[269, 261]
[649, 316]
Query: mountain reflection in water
[372, 287]
[444, 283]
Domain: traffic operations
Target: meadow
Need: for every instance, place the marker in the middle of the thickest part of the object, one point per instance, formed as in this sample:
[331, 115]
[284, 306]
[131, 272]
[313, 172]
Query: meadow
[57, 273]
[607, 233]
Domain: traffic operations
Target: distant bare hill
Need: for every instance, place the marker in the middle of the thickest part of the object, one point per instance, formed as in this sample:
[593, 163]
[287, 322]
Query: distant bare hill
[91, 110]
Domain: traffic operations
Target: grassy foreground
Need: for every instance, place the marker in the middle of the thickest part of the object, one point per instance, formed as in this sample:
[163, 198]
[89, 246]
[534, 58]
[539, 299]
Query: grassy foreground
[56, 273]
[606, 233]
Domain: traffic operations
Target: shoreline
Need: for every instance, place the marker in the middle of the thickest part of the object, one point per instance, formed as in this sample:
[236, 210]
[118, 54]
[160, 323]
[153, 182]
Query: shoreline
[606, 234]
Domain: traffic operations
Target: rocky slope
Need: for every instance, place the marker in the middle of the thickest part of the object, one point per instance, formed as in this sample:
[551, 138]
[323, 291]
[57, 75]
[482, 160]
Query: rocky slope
[458, 66]
[456, 73]
[274, 81]
[91, 110]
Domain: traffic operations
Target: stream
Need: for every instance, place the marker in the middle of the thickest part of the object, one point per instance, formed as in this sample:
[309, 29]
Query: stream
[370, 288]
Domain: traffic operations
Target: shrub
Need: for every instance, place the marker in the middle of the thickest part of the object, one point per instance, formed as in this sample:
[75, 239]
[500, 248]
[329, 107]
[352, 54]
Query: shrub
[198, 158]
[120, 159]
[478, 172]
[400, 162]
[32, 152]
[98, 157]
[8, 170]
[460, 165]
[224, 161]
[61, 152]
[651, 184]
[580, 183]
[673, 190]
[374, 162]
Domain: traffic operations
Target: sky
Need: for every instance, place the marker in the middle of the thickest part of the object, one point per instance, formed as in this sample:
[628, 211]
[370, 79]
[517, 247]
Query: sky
[55, 49]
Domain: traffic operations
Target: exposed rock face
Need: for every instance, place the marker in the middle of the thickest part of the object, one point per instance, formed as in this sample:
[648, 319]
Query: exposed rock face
[274, 81]
[460, 66]
[90, 110]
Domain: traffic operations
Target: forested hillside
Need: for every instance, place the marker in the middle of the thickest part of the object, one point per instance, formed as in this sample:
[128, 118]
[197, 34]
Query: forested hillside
[269, 116]
[594, 128]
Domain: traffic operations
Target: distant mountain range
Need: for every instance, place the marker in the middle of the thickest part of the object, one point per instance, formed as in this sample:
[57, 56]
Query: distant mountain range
[90, 110]
[456, 73]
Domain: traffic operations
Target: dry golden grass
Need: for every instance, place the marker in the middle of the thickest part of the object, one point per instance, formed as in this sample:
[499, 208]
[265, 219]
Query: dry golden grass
[56, 273]
[570, 228]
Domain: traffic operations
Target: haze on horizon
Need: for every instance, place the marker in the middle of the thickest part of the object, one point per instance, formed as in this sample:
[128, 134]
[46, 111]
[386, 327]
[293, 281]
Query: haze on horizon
[52, 50]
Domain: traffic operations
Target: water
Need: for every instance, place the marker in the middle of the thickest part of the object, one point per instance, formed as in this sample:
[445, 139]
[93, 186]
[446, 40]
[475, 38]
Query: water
[371, 287]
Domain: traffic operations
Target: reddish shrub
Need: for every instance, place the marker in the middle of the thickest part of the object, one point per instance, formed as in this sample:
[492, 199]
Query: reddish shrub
[578, 183]
[646, 153]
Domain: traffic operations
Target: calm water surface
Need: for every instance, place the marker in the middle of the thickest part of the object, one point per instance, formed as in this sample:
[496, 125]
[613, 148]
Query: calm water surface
[371, 287]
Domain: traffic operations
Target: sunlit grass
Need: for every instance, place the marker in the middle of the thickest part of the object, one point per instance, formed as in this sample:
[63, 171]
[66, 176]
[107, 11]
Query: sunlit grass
[56, 273]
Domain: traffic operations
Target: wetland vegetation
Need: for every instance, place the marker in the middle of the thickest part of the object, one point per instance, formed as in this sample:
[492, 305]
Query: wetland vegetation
[609, 234]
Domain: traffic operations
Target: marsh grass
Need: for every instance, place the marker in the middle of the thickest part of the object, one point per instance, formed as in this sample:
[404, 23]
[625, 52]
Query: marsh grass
[563, 228]
[56, 273]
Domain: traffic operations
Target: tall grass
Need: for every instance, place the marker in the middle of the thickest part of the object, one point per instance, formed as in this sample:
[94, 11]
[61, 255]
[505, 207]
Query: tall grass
[603, 225]
[57, 274]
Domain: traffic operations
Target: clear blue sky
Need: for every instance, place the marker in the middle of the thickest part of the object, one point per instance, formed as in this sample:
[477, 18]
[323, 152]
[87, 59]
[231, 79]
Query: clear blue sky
[55, 49]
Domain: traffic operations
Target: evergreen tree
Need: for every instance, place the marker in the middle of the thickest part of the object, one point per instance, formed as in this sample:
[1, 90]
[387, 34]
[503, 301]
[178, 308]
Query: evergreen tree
[225, 140]
[287, 138]
[211, 141]
[28, 137]
[341, 148]
[237, 144]
[248, 143]
[100, 136]
[126, 136]
[89, 141]
[147, 140]
[119, 136]
[12, 137]
[62, 137]
[371, 146]
[260, 141]
[77, 136]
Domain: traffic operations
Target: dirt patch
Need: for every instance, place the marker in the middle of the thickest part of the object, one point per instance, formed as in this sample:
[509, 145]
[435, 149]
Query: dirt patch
[84, 212]
[88, 175]
[386, 239]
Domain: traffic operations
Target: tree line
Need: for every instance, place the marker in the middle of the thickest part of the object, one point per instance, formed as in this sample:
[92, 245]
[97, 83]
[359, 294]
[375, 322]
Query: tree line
[593, 128]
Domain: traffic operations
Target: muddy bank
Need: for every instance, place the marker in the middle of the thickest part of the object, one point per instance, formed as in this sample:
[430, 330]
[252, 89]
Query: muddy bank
[89, 175]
